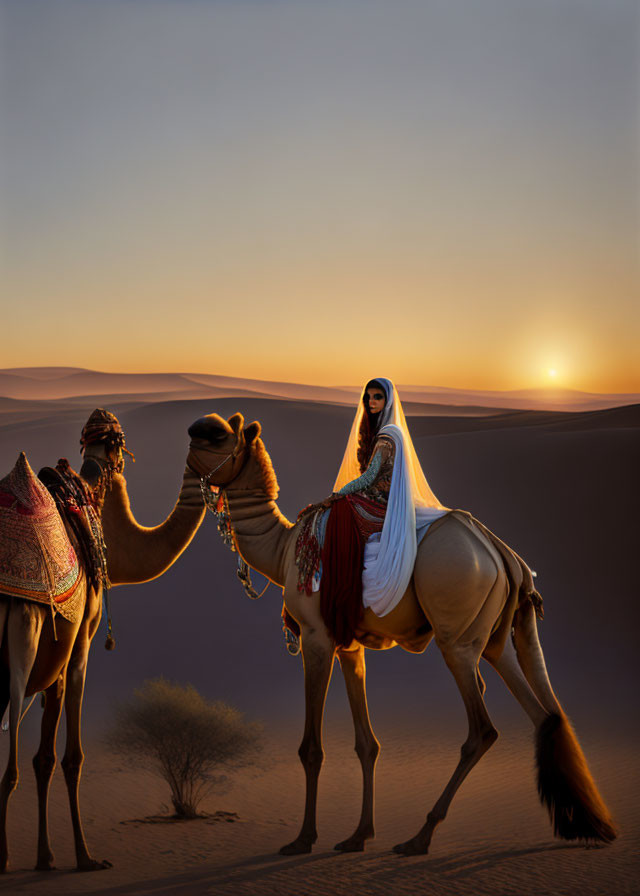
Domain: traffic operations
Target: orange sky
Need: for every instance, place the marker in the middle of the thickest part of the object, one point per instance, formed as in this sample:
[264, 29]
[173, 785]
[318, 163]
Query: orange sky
[446, 195]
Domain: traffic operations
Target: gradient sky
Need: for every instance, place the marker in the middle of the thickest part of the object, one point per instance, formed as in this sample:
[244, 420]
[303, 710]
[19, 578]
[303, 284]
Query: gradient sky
[446, 193]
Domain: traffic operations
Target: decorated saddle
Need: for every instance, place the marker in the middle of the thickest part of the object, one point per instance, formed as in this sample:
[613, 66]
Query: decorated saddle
[37, 560]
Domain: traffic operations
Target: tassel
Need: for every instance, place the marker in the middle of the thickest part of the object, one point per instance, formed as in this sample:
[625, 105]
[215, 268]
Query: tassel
[110, 643]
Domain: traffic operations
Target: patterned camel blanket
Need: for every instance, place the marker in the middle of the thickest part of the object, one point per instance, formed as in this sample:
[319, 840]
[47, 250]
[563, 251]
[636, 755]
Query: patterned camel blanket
[37, 560]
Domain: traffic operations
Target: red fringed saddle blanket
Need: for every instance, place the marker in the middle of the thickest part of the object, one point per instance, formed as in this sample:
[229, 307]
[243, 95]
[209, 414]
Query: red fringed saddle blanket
[37, 560]
[334, 555]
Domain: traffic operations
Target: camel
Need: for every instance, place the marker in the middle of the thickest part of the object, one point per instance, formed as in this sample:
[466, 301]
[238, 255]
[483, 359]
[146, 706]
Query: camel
[36, 656]
[459, 596]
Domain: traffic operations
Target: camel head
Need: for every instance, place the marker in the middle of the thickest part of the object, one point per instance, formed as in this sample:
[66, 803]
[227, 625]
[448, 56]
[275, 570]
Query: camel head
[103, 444]
[219, 447]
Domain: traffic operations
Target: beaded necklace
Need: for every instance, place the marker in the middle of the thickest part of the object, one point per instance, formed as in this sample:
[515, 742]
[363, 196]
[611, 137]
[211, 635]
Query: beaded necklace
[216, 501]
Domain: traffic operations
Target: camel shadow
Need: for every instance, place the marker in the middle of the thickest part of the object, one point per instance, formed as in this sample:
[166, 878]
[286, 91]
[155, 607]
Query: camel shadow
[206, 878]
[380, 868]
[465, 864]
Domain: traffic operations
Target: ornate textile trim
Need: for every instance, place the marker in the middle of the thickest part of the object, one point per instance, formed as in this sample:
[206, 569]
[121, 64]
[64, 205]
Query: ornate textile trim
[77, 503]
[369, 515]
[37, 560]
[309, 546]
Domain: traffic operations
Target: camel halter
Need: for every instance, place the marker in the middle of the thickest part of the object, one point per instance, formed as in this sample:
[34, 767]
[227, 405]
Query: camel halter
[219, 507]
[205, 488]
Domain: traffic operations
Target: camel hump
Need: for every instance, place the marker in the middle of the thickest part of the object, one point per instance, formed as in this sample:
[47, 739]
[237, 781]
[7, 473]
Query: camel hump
[519, 573]
[37, 560]
[25, 488]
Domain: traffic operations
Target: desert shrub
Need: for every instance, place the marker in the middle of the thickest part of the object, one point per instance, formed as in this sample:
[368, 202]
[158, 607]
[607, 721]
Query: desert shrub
[184, 738]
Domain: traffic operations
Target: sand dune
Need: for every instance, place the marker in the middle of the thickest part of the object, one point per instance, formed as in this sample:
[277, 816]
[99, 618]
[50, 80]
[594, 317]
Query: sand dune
[65, 382]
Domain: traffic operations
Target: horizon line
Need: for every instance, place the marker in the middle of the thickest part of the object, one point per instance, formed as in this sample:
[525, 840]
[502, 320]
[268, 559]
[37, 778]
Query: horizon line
[549, 390]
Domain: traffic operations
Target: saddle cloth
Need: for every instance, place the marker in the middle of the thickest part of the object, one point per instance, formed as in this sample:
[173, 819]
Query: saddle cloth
[37, 560]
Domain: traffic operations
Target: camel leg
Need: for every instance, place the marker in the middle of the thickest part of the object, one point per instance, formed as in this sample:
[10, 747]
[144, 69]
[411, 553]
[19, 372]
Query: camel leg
[44, 763]
[4, 693]
[73, 756]
[508, 668]
[463, 663]
[23, 628]
[5, 603]
[318, 652]
[367, 747]
[531, 658]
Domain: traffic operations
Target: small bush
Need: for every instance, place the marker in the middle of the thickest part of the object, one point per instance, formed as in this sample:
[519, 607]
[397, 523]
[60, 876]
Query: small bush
[185, 738]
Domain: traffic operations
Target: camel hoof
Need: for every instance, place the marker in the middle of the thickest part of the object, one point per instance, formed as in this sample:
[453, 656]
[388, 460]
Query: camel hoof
[411, 848]
[94, 865]
[45, 865]
[297, 848]
[352, 844]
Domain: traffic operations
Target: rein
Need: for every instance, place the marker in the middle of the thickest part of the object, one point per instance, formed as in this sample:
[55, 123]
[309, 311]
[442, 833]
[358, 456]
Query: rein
[218, 504]
[204, 480]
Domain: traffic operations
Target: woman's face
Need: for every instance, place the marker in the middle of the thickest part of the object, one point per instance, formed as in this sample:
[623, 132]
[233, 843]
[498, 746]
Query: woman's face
[375, 399]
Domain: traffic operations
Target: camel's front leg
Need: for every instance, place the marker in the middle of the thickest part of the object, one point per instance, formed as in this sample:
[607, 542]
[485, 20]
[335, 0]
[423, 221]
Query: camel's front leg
[463, 663]
[44, 763]
[367, 747]
[23, 625]
[73, 756]
[318, 652]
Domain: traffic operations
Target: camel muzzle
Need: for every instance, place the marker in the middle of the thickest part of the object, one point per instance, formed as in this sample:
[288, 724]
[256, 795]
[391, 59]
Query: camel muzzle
[91, 471]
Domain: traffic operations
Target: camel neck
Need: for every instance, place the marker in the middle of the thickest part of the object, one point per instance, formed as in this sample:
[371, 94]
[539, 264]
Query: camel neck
[263, 534]
[138, 553]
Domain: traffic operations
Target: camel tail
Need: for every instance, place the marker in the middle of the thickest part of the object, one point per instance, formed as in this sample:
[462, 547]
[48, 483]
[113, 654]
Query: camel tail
[565, 784]
[566, 787]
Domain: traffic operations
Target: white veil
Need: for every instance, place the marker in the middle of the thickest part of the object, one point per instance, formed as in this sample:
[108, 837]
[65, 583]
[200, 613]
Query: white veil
[390, 555]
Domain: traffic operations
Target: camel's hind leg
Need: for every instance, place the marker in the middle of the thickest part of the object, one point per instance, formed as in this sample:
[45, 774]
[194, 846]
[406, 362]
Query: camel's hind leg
[23, 627]
[462, 588]
[367, 747]
[531, 658]
[462, 660]
[509, 670]
[318, 653]
[44, 763]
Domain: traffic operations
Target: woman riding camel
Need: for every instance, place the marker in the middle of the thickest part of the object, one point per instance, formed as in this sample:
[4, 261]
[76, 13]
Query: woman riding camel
[381, 508]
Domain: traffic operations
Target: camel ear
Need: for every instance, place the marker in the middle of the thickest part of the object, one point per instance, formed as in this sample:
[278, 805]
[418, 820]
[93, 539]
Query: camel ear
[236, 423]
[252, 432]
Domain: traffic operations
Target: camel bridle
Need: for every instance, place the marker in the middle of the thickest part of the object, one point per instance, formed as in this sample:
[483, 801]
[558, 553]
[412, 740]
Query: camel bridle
[107, 467]
[219, 506]
[205, 484]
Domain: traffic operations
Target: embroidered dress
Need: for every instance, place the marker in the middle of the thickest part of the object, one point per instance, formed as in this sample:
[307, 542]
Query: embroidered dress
[353, 519]
[368, 495]
[411, 506]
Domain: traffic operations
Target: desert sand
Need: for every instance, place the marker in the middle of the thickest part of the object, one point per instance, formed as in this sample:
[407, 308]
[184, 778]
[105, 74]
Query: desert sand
[496, 840]
[560, 488]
